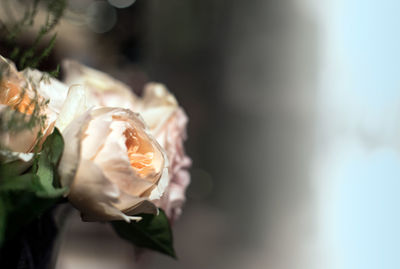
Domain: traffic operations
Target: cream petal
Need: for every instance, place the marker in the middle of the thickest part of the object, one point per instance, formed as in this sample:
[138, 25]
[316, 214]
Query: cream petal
[159, 161]
[73, 135]
[114, 151]
[156, 94]
[93, 194]
[73, 107]
[48, 87]
[98, 199]
[131, 205]
[170, 134]
[161, 186]
[116, 165]
[76, 73]
[119, 170]
[8, 69]
[113, 99]
[178, 188]
[107, 90]
[109, 213]
[98, 130]
[156, 117]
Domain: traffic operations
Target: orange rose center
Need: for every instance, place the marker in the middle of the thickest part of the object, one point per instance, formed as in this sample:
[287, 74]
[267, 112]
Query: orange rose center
[140, 157]
[11, 95]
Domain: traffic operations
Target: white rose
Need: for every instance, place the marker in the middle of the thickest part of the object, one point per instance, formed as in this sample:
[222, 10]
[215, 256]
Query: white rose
[165, 118]
[26, 98]
[102, 90]
[113, 166]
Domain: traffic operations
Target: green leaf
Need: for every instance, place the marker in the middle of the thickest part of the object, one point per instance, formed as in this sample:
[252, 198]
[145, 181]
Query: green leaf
[3, 220]
[153, 232]
[12, 169]
[53, 147]
[18, 183]
[47, 163]
[25, 197]
[18, 209]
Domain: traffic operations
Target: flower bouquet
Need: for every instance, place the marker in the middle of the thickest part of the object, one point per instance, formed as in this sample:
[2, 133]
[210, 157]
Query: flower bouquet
[90, 141]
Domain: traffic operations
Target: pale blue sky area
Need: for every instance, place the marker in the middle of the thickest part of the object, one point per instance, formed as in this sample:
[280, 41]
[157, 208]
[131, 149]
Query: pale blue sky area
[365, 211]
[371, 44]
[362, 84]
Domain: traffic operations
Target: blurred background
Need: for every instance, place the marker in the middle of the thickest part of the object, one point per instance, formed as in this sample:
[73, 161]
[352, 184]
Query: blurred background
[294, 127]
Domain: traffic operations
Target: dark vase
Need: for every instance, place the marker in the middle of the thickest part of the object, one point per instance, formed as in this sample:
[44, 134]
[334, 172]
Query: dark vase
[32, 247]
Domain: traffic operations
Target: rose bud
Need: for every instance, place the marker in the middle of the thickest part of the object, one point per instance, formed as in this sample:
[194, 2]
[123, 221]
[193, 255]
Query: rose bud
[114, 168]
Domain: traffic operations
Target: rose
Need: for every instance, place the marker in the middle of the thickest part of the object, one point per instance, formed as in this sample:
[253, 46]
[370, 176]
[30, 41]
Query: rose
[29, 105]
[113, 166]
[102, 90]
[161, 112]
[16, 101]
[167, 122]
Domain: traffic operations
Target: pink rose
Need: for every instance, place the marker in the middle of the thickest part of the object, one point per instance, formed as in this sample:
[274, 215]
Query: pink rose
[101, 89]
[167, 122]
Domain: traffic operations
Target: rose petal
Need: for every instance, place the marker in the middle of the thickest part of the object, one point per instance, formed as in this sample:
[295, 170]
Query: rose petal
[48, 87]
[103, 89]
[94, 195]
[73, 107]
[71, 157]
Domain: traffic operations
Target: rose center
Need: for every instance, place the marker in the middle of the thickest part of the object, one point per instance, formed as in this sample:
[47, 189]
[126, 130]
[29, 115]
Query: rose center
[11, 95]
[141, 160]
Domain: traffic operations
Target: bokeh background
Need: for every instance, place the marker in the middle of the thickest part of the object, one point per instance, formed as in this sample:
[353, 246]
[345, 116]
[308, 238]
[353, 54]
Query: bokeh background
[294, 127]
